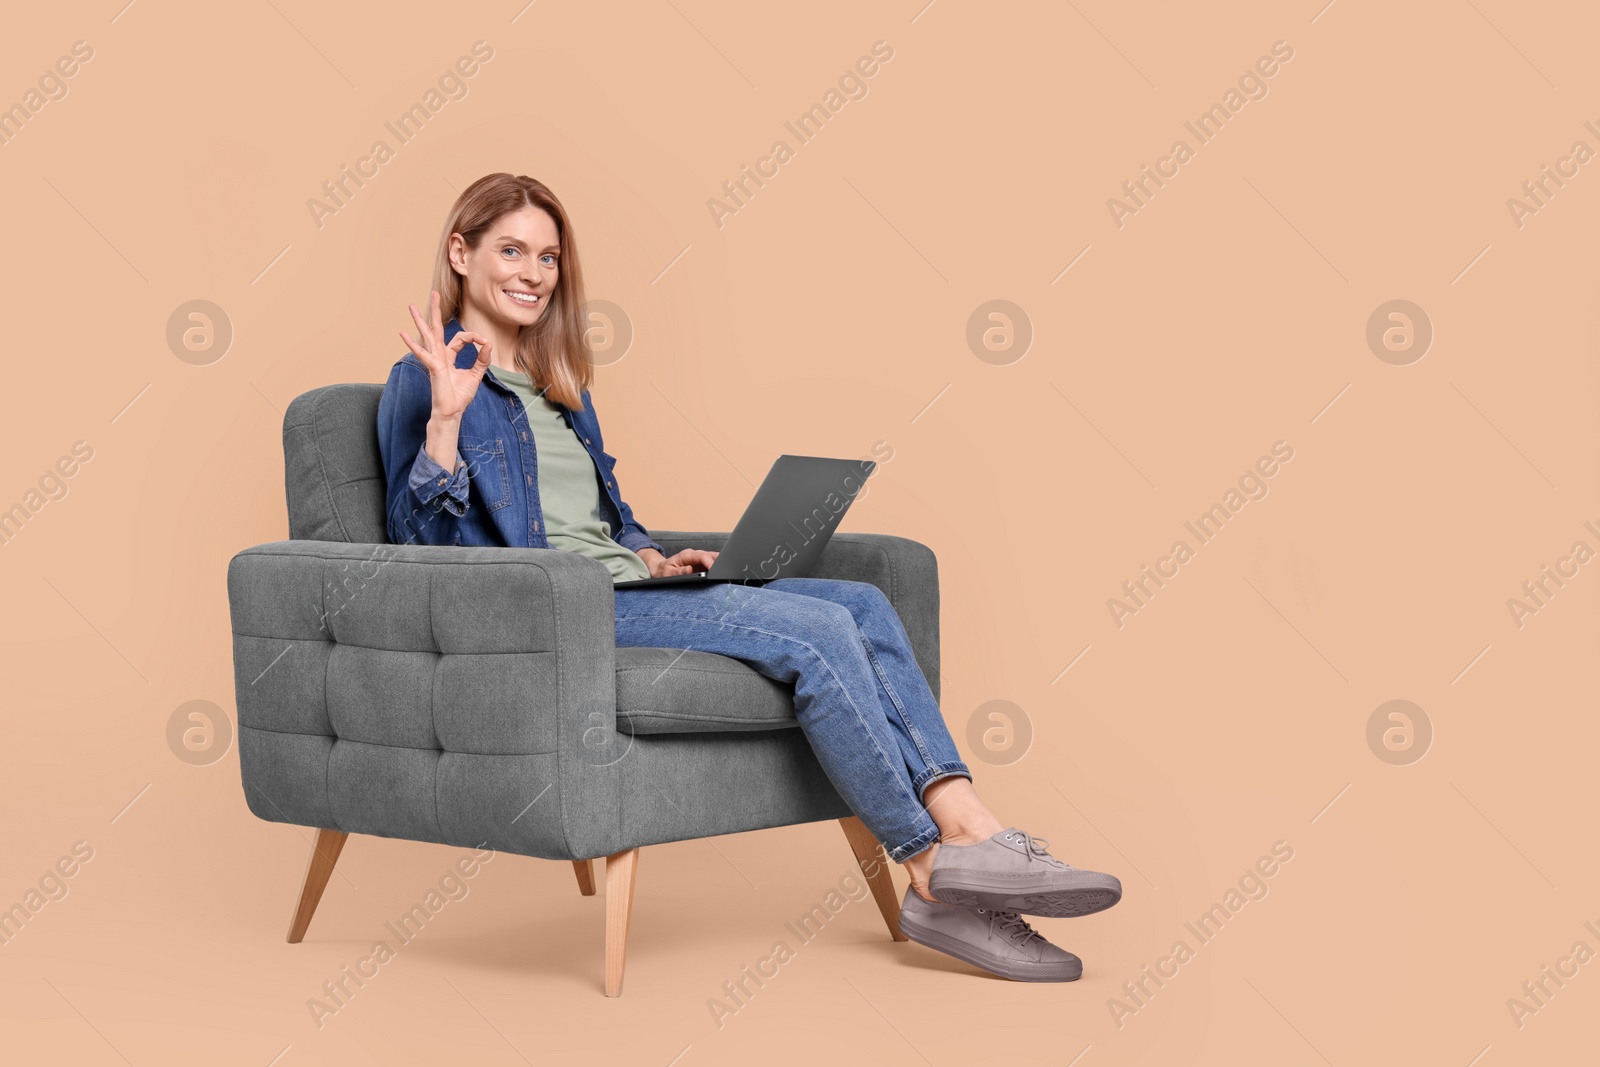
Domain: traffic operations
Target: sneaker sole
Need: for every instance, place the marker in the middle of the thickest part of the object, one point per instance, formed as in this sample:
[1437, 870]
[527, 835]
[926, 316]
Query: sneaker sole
[1064, 903]
[1017, 971]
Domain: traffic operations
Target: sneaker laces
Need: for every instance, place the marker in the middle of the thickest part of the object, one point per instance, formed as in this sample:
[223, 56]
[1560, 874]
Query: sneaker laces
[1012, 925]
[1037, 847]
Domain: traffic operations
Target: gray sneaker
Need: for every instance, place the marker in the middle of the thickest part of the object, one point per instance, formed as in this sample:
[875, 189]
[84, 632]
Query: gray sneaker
[1012, 872]
[1000, 942]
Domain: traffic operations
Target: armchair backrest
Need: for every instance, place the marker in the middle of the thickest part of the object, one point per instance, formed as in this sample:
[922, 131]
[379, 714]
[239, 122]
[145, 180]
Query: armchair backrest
[332, 470]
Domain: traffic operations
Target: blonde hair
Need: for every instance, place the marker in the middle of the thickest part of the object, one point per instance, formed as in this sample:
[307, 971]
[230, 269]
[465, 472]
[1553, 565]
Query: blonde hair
[553, 352]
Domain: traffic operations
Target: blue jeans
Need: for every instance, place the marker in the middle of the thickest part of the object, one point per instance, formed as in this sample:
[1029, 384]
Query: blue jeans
[861, 699]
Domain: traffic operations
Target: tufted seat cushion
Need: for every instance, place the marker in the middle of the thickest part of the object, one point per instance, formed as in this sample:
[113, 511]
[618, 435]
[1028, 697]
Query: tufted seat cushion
[668, 691]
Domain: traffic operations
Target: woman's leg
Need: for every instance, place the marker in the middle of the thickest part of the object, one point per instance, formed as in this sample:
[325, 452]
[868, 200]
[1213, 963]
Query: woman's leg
[963, 819]
[814, 645]
[902, 690]
[943, 780]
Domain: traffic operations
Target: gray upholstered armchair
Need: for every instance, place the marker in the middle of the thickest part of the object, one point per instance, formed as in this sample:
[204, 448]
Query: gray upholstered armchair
[476, 697]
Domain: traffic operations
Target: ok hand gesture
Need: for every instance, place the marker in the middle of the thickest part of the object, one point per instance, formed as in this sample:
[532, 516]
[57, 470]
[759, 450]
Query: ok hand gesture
[453, 389]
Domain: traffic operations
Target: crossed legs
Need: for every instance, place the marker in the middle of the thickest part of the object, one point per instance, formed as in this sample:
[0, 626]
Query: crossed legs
[860, 696]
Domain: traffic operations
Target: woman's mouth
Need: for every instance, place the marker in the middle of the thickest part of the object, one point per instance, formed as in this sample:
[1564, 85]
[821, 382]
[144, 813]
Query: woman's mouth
[524, 298]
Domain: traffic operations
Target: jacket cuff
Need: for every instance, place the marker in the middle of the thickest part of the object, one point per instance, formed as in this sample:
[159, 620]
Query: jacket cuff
[436, 487]
[633, 539]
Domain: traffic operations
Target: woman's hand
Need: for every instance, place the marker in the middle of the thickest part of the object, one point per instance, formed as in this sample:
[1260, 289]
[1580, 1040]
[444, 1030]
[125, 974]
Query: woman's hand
[453, 389]
[689, 561]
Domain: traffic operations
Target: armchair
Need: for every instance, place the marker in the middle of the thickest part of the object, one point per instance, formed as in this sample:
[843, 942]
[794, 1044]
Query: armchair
[476, 697]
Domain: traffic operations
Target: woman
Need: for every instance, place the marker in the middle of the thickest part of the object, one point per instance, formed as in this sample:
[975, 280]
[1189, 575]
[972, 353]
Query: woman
[506, 450]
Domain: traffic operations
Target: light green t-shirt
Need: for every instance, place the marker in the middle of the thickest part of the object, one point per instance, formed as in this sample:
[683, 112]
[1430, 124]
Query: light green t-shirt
[569, 494]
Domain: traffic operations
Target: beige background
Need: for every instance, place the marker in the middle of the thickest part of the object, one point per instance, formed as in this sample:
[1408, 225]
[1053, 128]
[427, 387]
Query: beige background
[1227, 314]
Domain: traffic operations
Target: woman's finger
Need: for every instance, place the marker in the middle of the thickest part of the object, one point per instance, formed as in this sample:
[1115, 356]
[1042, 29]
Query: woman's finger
[462, 337]
[423, 334]
[422, 324]
[413, 347]
[481, 366]
[420, 350]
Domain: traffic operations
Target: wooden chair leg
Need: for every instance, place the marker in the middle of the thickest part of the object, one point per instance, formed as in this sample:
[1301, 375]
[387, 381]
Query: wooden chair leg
[875, 865]
[620, 869]
[324, 854]
[585, 874]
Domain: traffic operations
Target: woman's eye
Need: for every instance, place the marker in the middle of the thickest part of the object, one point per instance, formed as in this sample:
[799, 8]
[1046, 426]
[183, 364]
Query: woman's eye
[509, 251]
[552, 259]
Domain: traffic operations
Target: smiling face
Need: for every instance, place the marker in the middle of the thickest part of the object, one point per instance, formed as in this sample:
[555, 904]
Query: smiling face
[509, 277]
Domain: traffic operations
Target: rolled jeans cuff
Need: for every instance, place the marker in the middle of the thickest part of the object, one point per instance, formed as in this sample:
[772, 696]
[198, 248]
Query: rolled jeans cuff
[936, 771]
[904, 852]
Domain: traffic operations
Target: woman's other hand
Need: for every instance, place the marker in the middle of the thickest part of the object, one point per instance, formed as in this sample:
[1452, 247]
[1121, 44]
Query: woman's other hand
[689, 561]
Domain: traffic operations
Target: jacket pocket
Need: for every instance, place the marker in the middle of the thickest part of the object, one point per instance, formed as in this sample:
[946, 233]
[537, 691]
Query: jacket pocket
[487, 471]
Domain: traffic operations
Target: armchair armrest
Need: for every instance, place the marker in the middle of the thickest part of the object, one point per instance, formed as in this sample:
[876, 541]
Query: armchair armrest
[427, 692]
[907, 572]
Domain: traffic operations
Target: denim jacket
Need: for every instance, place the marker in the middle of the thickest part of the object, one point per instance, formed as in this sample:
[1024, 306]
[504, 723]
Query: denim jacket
[492, 497]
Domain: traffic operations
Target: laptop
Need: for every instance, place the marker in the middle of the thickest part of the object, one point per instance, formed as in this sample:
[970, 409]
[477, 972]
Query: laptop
[786, 525]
